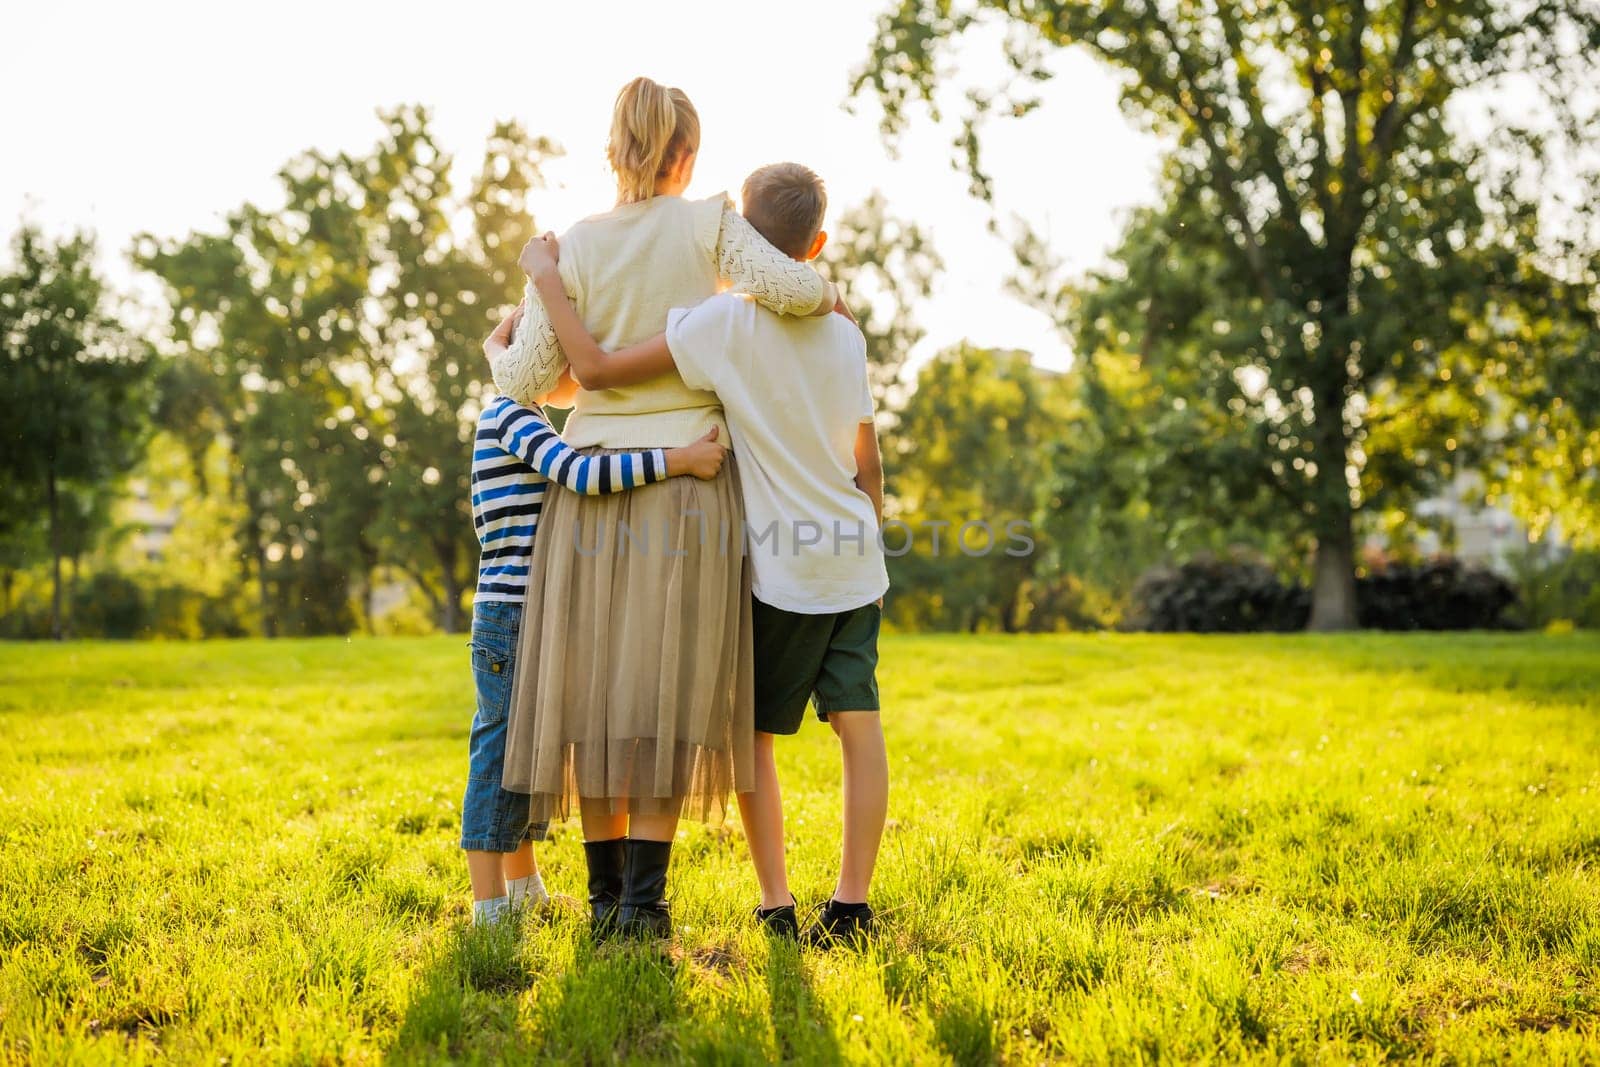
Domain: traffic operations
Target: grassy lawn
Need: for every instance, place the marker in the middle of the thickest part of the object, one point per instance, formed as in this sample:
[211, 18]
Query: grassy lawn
[1102, 848]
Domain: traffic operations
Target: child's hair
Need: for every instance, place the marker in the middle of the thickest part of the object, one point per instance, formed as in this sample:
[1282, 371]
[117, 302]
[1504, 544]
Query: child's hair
[785, 202]
[652, 127]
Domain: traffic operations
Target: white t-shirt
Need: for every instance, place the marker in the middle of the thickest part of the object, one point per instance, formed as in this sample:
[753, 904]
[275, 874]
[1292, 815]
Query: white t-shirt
[794, 392]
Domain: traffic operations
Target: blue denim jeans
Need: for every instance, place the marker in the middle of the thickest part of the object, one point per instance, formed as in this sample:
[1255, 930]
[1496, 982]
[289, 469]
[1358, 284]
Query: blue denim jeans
[494, 819]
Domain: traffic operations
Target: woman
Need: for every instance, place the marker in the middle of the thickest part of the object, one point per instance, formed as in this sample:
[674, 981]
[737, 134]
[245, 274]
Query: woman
[633, 690]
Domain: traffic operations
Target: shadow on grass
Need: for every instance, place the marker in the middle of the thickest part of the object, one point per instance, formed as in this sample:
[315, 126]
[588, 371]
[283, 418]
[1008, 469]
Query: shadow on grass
[609, 1003]
[468, 988]
[800, 1023]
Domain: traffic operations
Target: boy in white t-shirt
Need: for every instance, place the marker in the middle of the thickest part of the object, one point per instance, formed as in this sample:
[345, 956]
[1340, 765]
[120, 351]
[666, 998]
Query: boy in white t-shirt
[800, 414]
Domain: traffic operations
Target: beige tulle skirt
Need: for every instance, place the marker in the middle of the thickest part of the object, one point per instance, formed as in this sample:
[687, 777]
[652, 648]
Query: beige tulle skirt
[633, 682]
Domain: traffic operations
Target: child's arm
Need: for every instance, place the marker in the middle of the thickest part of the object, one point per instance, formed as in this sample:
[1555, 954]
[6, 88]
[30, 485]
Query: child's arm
[592, 366]
[525, 435]
[869, 466]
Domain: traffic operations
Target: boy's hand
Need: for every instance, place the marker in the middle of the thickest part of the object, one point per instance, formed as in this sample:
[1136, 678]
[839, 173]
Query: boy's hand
[841, 308]
[703, 459]
[540, 256]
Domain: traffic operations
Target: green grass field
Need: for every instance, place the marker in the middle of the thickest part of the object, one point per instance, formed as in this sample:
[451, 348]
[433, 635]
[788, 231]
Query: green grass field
[1102, 849]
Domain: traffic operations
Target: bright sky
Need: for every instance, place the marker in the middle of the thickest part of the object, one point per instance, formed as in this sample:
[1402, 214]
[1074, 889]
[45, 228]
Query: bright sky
[162, 116]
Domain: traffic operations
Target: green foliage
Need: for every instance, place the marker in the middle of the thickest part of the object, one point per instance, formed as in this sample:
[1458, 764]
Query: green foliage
[1104, 849]
[1339, 299]
[885, 266]
[75, 389]
[1566, 590]
[971, 445]
[332, 344]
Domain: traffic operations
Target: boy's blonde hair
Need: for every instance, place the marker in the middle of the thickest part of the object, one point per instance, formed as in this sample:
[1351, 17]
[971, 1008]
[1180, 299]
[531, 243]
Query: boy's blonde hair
[652, 126]
[785, 202]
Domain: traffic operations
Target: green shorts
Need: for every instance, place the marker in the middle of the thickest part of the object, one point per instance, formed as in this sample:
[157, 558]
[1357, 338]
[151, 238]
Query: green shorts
[830, 660]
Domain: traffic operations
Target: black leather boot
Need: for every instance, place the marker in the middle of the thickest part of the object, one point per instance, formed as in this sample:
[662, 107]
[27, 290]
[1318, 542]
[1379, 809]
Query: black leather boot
[605, 884]
[644, 890]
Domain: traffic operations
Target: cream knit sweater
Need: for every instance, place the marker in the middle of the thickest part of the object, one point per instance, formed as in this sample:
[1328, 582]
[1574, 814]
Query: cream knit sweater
[624, 271]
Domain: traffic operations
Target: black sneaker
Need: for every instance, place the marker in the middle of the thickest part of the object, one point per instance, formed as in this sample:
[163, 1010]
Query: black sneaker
[839, 924]
[779, 921]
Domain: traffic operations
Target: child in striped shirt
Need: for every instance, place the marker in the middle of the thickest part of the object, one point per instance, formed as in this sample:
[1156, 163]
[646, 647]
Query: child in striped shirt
[515, 456]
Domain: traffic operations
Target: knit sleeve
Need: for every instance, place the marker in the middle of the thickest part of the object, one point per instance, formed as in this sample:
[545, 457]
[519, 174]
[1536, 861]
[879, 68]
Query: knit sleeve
[532, 364]
[777, 282]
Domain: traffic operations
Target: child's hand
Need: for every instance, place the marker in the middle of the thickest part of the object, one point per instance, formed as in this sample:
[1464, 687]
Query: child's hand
[703, 459]
[841, 308]
[540, 256]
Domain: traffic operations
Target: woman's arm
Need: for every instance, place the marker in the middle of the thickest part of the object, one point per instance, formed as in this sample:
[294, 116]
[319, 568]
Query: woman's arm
[495, 345]
[777, 282]
[592, 366]
[530, 364]
[499, 339]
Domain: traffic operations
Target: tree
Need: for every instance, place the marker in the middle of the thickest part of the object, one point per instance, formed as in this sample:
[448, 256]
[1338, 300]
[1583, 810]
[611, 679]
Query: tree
[1366, 264]
[885, 265]
[427, 368]
[333, 342]
[970, 447]
[75, 389]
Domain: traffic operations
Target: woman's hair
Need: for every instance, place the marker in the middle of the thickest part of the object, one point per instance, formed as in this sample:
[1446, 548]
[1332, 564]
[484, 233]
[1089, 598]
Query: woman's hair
[652, 127]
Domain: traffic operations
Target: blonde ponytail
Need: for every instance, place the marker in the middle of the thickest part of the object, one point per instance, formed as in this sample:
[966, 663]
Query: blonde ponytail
[652, 126]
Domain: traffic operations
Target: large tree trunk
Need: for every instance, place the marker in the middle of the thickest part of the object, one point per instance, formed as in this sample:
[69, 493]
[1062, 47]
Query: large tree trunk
[1333, 589]
[57, 627]
[1333, 592]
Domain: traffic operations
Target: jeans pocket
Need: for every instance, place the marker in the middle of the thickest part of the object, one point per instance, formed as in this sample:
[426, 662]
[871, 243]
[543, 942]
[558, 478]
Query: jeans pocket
[491, 672]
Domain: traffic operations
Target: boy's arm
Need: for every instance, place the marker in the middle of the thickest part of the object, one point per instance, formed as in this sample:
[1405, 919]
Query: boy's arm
[592, 366]
[869, 466]
[532, 440]
[525, 435]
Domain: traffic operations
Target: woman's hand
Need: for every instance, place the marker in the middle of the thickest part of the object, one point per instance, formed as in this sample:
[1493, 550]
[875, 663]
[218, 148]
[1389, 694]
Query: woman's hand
[703, 459]
[540, 256]
[500, 338]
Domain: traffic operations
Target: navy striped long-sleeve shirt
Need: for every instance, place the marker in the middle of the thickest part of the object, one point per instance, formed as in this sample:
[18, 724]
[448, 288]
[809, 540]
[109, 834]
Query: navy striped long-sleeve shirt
[515, 456]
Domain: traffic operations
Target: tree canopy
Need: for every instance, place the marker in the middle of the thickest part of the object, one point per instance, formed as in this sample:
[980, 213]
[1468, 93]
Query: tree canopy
[1342, 285]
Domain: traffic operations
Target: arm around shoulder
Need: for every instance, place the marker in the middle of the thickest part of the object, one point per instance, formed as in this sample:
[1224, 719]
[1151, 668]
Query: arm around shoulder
[530, 365]
[592, 366]
[778, 282]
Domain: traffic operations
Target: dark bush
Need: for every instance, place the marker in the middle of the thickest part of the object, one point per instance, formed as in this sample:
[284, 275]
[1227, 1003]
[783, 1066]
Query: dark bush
[1236, 594]
[1210, 594]
[1441, 594]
